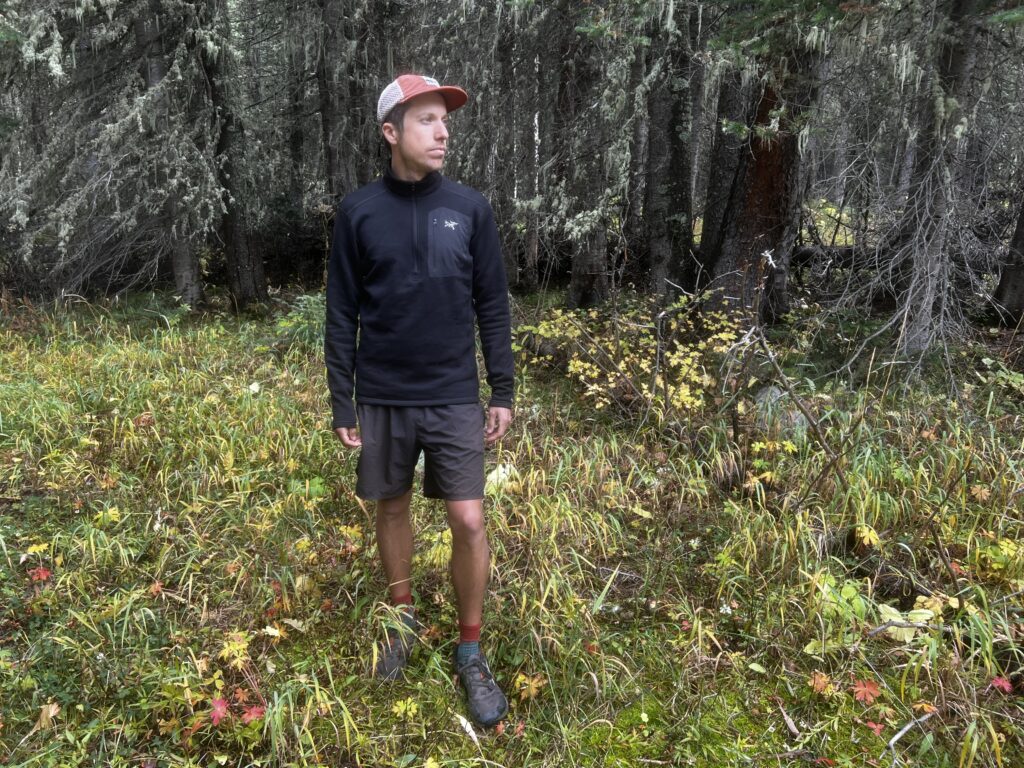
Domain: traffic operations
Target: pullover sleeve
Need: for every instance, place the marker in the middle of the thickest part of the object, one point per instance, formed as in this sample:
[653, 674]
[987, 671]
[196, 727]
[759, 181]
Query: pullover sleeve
[342, 320]
[490, 301]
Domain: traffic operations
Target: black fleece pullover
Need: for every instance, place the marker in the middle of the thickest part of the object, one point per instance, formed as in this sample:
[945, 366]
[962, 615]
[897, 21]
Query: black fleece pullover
[411, 266]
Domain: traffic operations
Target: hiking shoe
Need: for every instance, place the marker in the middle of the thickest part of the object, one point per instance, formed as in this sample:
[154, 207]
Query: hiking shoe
[392, 653]
[486, 703]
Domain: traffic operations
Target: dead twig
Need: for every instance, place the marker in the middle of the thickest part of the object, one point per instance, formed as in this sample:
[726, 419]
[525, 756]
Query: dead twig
[801, 406]
[790, 725]
[891, 746]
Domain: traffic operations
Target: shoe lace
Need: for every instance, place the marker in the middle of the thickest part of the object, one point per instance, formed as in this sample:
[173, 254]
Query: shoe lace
[398, 641]
[483, 676]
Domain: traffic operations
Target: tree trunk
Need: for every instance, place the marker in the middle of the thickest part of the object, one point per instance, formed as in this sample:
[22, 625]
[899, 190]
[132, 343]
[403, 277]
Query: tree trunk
[527, 84]
[923, 268]
[296, 62]
[753, 241]
[589, 274]
[762, 216]
[327, 61]
[1009, 295]
[726, 169]
[245, 264]
[702, 105]
[636, 263]
[588, 283]
[184, 261]
[667, 209]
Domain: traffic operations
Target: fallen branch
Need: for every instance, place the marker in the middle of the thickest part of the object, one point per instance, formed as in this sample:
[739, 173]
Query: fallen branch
[898, 625]
[892, 742]
[790, 725]
[802, 407]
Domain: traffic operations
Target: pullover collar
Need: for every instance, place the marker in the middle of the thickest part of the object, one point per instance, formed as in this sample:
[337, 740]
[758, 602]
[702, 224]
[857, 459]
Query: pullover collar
[424, 186]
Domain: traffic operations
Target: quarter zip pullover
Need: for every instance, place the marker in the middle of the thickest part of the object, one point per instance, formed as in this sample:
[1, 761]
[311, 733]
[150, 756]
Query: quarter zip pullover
[412, 265]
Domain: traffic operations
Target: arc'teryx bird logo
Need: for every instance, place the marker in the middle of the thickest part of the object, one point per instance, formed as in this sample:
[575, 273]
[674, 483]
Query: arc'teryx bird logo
[451, 224]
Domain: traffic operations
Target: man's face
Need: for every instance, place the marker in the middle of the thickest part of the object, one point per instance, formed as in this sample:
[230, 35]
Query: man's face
[420, 147]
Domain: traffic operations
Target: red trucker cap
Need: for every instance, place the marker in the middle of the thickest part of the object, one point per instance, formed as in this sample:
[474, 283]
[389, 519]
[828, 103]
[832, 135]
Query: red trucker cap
[405, 87]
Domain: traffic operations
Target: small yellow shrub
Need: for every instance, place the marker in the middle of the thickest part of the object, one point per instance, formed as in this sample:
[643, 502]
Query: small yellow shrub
[634, 356]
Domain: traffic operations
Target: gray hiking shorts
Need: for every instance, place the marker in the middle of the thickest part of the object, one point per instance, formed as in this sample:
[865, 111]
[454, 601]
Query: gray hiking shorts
[450, 436]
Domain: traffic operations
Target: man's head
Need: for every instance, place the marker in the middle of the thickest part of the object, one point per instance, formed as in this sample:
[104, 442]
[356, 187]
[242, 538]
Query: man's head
[413, 112]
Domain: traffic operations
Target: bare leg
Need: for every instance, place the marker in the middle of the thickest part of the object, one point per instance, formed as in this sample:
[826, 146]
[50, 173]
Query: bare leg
[394, 542]
[471, 558]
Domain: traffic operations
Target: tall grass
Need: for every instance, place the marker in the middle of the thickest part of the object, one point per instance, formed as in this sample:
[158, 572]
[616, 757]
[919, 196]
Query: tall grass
[179, 536]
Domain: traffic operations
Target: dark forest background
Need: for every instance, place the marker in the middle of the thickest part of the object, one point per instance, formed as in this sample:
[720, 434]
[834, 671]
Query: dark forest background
[868, 154]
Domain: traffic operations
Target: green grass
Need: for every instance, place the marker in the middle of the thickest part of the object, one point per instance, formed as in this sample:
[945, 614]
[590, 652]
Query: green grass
[653, 600]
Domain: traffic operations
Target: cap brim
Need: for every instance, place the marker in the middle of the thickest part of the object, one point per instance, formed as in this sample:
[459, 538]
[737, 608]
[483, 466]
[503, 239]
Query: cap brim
[454, 97]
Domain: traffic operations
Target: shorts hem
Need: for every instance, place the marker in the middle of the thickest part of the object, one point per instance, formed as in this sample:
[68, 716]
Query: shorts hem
[453, 497]
[382, 496]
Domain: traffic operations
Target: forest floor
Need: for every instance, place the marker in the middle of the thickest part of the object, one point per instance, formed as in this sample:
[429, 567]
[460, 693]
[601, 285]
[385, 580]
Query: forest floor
[187, 578]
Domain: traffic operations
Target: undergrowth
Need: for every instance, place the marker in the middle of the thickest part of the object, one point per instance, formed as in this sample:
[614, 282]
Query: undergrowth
[187, 579]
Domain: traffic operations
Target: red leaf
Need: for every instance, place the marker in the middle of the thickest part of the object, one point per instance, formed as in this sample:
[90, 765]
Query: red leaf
[520, 727]
[254, 712]
[866, 691]
[592, 648]
[218, 711]
[685, 625]
[42, 573]
[1002, 684]
[197, 723]
[824, 761]
[500, 728]
[876, 727]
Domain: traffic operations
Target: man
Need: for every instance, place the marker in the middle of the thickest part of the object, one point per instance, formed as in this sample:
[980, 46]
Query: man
[415, 258]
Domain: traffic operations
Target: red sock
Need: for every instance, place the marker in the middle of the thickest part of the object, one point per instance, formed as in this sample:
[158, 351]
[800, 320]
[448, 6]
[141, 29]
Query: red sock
[469, 633]
[408, 610]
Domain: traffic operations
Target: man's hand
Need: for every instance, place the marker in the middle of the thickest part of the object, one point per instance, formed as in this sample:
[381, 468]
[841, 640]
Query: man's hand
[349, 436]
[498, 420]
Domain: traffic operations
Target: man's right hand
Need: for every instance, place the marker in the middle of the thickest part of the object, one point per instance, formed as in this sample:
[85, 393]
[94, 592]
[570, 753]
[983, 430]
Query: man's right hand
[349, 436]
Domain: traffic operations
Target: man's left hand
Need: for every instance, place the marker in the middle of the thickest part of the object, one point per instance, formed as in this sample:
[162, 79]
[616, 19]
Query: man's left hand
[498, 420]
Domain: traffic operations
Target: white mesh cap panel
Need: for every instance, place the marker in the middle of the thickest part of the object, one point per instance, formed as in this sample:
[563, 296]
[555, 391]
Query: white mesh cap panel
[393, 93]
[388, 98]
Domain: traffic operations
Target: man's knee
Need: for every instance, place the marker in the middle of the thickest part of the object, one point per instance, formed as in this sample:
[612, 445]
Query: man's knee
[466, 519]
[395, 508]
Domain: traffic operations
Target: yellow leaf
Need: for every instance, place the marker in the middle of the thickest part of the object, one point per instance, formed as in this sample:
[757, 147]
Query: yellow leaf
[529, 686]
[108, 515]
[920, 615]
[46, 715]
[932, 603]
[867, 536]
[924, 707]
[503, 477]
[901, 634]
[820, 682]
[980, 493]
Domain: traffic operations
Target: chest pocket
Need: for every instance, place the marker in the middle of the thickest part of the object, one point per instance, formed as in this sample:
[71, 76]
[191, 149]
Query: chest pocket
[448, 244]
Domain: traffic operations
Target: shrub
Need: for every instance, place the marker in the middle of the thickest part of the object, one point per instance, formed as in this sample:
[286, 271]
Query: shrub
[635, 357]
